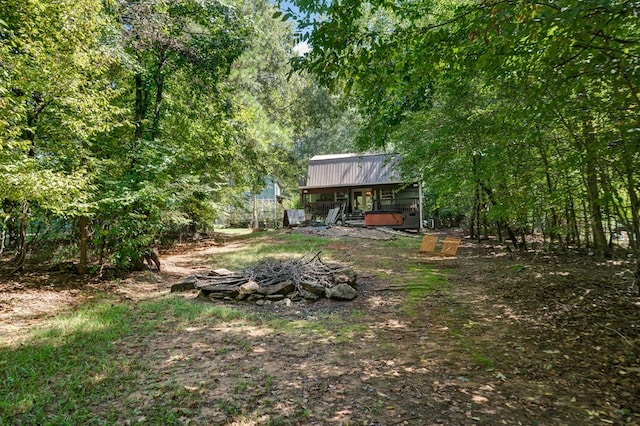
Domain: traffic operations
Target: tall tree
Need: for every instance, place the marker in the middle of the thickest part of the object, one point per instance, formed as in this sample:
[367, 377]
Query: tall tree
[182, 142]
[534, 101]
[54, 98]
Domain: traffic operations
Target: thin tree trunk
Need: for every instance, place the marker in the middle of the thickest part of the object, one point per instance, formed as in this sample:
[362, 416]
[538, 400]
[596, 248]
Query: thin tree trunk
[475, 220]
[254, 220]
[595, 208]
[587, 224]
[3, 237]
[22, 238]
[139, 108]
[485, 225]
[83, 224]
[553, 231]
[159, 80]
[635, 214]
[600, 245]
[574, 230]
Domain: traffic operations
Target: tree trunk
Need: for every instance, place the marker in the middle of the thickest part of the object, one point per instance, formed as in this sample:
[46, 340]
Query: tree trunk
[22, 238]
[82, 224]
[635, 215]
[512, 236]
[157, 108]
[254, 221]
[587, 224]
[553, 231]
[3, 237]
[474, 226]
[572, 219]
[139, 107]
[600, 245]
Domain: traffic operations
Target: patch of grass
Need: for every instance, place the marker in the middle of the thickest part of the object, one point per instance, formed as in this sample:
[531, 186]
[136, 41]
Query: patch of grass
[298, 326]
[326, 328]
[357, 314]
[191, 312]
[269, 246]
[481, 359]
[348, 332]
[406, 243]
[234, 231]
[63, 369]
[420, 282]
[229, 406]
[60, 370]
[242, 385]
[269, 380]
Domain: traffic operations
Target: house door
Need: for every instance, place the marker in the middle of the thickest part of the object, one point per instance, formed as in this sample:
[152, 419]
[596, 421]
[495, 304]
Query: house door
[362, 199]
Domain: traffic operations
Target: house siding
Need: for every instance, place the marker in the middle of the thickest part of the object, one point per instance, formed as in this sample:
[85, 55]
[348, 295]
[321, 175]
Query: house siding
[351, 170]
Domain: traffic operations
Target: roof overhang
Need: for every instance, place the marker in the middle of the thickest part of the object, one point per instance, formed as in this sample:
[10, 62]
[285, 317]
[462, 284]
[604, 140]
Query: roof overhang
[354, 185]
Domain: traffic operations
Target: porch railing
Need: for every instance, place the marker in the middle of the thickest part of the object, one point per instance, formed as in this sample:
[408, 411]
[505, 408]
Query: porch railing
[321, 208]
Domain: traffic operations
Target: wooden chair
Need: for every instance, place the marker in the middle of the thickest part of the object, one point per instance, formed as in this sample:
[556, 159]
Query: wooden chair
[449, 249]
[429, 243]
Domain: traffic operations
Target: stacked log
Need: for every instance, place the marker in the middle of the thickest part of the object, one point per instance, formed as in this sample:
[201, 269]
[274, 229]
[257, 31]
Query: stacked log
[291, 279]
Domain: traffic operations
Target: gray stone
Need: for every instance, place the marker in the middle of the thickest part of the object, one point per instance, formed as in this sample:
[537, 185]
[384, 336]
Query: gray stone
[341, 292]
[346, 276]
[284, 302]
[249, 287]
[310, 296]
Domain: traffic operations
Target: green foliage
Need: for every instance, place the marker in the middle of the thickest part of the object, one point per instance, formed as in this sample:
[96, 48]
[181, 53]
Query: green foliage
[55, 101]
[146, 118]
[524, 112]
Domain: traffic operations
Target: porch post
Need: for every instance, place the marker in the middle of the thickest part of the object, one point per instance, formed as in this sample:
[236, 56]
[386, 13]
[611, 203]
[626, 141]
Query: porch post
[420, 200]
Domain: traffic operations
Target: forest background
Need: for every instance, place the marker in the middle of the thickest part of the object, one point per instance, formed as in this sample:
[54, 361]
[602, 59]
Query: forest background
[127, 123]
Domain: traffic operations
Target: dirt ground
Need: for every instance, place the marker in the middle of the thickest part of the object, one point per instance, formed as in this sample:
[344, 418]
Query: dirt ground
[514, 339]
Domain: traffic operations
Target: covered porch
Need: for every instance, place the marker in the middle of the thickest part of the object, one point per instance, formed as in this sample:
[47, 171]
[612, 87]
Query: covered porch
[367, 188]
[357, 203]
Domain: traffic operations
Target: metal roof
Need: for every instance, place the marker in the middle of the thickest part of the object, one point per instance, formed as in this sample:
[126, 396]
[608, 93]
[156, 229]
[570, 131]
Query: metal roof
[352, 170]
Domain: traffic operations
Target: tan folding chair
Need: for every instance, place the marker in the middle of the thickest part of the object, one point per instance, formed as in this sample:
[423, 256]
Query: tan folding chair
[450, 247]
[429, 243]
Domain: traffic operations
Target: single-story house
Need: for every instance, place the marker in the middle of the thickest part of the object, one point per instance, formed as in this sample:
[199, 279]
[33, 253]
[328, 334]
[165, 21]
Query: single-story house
[367, 188]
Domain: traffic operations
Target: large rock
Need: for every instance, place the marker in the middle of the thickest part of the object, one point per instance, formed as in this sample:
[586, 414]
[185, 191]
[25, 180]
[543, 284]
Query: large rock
[341, 292]
[249, 287]
[346, 276]
[188, 283]
[313, 287]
